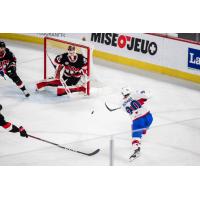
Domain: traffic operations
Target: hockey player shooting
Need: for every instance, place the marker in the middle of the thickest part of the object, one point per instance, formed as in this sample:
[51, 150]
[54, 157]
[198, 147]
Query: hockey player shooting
[11, 127]
[70, 73]
[133, 104]
[8, 67]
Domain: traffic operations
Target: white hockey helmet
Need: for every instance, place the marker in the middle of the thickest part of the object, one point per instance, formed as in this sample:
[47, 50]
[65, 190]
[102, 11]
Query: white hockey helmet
[125, 91]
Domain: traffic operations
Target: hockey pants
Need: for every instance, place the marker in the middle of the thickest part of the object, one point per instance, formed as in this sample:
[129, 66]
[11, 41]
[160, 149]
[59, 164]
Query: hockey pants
[143, 122]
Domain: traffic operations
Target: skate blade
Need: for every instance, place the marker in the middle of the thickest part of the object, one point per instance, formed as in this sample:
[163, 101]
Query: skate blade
[133, 158]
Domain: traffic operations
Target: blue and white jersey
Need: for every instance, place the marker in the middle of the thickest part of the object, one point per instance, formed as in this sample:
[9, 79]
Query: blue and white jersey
[134, 104]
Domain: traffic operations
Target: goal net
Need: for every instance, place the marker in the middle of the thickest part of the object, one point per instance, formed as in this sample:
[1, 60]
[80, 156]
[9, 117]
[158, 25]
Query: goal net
[54, 47]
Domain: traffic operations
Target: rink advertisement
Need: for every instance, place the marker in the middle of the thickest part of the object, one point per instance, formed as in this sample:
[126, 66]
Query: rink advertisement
[148, 52]
[125, 42]
[137, 47]
[194, 58]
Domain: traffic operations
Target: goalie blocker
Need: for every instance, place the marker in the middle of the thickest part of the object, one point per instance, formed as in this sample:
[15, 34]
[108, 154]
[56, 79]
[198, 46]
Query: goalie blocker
[70, 70]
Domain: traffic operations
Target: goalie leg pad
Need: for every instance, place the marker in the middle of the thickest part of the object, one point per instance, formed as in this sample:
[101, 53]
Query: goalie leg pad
[48, 82]
[61, 91]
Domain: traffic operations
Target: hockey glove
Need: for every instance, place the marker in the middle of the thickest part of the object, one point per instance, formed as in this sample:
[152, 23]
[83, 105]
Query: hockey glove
[23, 132]
[10, 70]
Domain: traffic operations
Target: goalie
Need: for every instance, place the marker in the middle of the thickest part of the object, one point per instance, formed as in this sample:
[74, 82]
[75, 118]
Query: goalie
[70, 73]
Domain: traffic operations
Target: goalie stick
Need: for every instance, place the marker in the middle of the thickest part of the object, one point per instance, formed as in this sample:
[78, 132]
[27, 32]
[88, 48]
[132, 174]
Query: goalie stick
[112, 109]
[68, 149]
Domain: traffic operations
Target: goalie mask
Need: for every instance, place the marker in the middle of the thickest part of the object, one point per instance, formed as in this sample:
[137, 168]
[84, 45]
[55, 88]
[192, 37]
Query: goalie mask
[72, 55]
[125, 91]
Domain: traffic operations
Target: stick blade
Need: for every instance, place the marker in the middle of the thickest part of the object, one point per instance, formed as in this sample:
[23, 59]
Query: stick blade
[95, 152]
[110, 109]
[90, 154]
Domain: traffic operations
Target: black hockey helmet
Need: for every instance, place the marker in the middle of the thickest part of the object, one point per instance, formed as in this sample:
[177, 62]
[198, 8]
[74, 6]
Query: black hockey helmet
[1, 107]
[2, 44]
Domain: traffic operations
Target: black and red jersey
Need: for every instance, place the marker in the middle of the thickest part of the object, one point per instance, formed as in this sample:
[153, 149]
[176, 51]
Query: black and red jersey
[7, 60]
[72, 67]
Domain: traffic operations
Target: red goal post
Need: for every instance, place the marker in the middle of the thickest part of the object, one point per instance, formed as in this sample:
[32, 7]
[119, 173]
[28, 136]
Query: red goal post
[54, 47]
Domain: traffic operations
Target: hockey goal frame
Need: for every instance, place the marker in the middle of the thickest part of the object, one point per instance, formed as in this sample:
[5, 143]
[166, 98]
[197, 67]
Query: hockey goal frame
[73, 44]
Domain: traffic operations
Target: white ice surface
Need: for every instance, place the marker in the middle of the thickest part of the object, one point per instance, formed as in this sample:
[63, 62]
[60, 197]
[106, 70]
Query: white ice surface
[174, 138]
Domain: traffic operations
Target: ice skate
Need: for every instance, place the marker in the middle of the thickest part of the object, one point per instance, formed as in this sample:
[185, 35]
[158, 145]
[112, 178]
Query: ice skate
[135, 154]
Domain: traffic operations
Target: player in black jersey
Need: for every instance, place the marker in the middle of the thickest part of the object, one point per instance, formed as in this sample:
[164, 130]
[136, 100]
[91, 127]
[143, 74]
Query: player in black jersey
[74, 67]
[8, 67]
[11, 127]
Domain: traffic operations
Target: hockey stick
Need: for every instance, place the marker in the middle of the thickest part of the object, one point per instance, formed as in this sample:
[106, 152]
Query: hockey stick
[67, 90]
[51, 62]
[62, 147]
[111, 109]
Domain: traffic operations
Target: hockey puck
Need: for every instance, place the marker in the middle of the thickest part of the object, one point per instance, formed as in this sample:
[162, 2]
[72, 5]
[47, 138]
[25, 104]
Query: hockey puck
[92, 112]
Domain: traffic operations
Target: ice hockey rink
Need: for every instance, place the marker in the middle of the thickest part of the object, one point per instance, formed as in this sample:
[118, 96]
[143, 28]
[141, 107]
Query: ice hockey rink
[173, 139]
